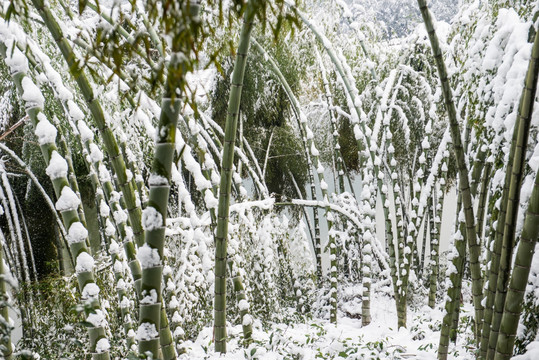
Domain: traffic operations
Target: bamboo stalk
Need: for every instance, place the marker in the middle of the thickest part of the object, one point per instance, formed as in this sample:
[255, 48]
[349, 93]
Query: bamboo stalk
[66, 205]
[471, 236]
[522, 130]
[221, 234]
[5, 340]
[109, 141]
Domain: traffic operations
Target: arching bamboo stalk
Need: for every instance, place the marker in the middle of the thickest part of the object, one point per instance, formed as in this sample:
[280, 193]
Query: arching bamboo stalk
[313, 153]
[5, 339]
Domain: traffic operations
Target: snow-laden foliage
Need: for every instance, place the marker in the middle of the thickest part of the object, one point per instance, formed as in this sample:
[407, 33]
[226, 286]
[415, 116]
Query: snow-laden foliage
[349, 132]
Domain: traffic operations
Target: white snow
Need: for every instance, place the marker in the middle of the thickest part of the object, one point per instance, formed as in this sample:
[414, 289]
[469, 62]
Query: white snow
[68, 200]
[85, 133]
[102, 346]
[148, 257]
[91, 290]
[151, 219]
[75, 112]
[84, 263]
[57, 167]
[95, 154]
[146, 331]
[31, 94]
[77, 233]
[45, 131]
[97, 319]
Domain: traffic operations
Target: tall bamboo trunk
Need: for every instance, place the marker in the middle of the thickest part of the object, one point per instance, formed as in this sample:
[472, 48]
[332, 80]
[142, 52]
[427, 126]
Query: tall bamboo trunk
[221, 233]
[474, 247]
[522, 129]
[519, 277]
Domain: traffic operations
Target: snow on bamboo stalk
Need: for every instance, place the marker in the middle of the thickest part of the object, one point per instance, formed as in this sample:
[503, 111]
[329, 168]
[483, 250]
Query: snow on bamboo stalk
[413, 226]
[6, 324]
[519, 143]
[209, 171]
[417, 186]
[435, 232]
[94, 158]
[313, 153]
[99, 174]
[221, 233]
[153, 333]
[519, 277]
[72, 176]
[109, 141]
[118, 260]
[37, 184]
[67, 200]
[471, 236]
[154, 216]
[17, 239]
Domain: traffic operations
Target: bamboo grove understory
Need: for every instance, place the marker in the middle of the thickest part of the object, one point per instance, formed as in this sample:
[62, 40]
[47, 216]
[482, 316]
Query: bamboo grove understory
[309, 178]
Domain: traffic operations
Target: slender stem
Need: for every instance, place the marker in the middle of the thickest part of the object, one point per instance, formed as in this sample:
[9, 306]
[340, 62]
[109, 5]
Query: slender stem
[221, 233]
[471, 237]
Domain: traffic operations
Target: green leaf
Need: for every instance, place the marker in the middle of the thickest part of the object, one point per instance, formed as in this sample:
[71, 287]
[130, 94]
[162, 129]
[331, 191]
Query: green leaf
[10, 11]
[82, 5]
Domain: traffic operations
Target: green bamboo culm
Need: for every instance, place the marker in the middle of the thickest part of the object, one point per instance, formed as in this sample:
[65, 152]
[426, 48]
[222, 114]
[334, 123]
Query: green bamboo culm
[154, 218]
[519, 278]
[513, 301]
[109, 141]
[100, 176]
[453, 292]
[474, 247]
[482, 199]
[155, 338]
[435, 235]
[505, 231]
[225, 186]
[72, 176]
[104, 188]
[67, 203]
[5, 336]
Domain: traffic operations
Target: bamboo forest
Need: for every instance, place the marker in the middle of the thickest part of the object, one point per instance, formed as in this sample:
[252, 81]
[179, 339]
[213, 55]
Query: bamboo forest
[269, 179]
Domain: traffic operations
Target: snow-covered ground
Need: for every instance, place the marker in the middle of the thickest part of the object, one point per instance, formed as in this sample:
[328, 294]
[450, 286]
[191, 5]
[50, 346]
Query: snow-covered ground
[319, 339]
